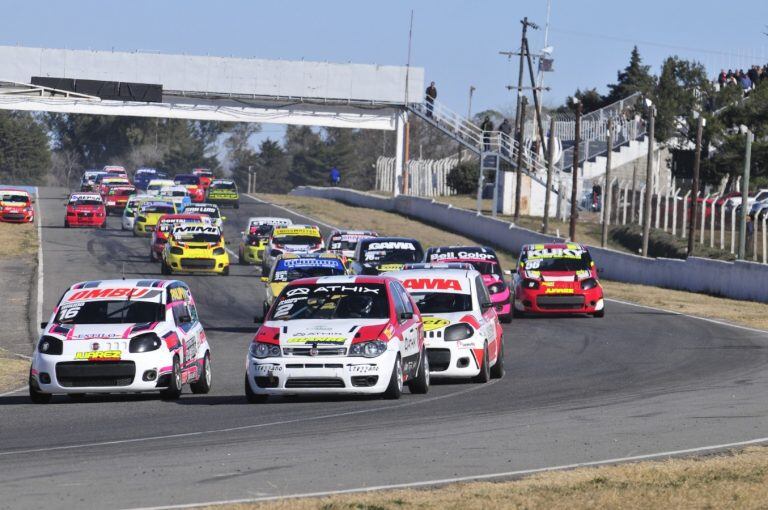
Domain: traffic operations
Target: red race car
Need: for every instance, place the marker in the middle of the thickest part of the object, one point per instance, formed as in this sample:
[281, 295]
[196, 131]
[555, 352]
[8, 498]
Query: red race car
[194, 185]
[206, 176]
[16, 206]
[85, 210]
[556, 278]
[165, 226]
[117, 197]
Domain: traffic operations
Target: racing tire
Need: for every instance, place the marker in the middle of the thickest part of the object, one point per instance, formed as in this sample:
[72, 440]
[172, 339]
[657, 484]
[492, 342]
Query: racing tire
[599, 314]
[395, 388]
[253, 398]
[103, 225]
[517, 314]
[485, 371]
[164, 268]
[237, 205]
[266, 309]
[498, 370]
[241, 258]
[506, 318]
[203, 383]
[66, 224]
[134, 233]
[225, 272]
[420, 384]
[152, 257]
[36, 396]
[173, 392]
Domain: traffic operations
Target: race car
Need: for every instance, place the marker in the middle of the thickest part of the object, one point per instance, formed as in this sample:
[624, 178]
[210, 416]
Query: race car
[176, 194]
[256, 236]
[195, 248]
[16, 206]
[108, 182]
[556, 279]
[193, 185]
[155, 185]
[114, 336]
[344, 242]
[210, 210]
[382, 254]
[88, 181]
[115, 170]
[165, 225]
[149, 211]
[117, 197]
[223, 192]
[131, 211]
[461, 329]
[143, 176]
[291, 239]
[206, 176]
[85, 210]
[293, 266]
[483, 259]
[339, 334]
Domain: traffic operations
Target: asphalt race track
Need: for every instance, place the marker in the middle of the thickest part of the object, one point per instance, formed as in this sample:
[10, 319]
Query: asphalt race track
[577, 390]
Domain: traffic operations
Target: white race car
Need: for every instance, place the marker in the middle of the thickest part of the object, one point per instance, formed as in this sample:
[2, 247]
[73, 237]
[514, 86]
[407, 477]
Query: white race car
[338, 334]
[462, 332]
[156, 185]
[210, 210]
[344, 242]
[130, 212]
[291, 239]
[115, 336]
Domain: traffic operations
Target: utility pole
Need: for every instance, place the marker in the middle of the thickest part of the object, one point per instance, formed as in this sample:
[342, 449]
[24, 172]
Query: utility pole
[525, 24]
[648, 180]
[575, 176]
[519, 169]
[550, 170]
[695, 190]
[745, 197]
[535, 92]
[607, 188]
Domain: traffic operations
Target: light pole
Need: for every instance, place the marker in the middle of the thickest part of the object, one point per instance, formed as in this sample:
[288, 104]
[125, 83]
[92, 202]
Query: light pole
[695, 191]
[745, 193]
[648, 177]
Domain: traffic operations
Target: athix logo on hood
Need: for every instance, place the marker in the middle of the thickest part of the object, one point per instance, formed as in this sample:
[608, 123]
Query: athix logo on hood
[431, 284]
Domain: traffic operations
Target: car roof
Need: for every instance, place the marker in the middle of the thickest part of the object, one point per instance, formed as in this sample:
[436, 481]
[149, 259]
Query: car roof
[264, 219]
[128, 282]
[323, 255]
[554, 246]
[15, 190]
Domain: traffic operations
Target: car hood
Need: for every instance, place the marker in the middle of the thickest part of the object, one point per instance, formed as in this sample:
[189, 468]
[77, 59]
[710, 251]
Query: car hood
[326, 333]
[98, 331]
[558, 276]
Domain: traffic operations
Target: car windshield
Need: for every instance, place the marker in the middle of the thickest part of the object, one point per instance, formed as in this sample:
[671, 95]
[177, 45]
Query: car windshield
[211, 212]
[332, 301]
[186, 179]
[296, 239]
[442, 302]
[485, 267]
[223, 185]
[110, 312]
[158, 208]
[557, 259]
[14, 198]
[340, 243]
[393, 252]
[86, 201]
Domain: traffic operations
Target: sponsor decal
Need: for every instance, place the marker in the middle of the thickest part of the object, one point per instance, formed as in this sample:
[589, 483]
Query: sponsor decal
[390, 267]
[362, 369]
[331, 340]
[267, 368]
[326, 262]
[557, 253]
[431, 284]
[99, 355]
[296, 232]
[134, 292]
[461, 254]
[391, 245]
[389, 331]
[558, 291]
[179, 294]
[432, 323]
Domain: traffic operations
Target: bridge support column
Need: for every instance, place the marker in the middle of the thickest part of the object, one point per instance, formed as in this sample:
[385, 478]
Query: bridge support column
[397, 182]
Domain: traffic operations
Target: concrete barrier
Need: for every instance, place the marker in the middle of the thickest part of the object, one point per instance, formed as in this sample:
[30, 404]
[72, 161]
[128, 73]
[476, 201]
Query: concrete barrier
[736, 280]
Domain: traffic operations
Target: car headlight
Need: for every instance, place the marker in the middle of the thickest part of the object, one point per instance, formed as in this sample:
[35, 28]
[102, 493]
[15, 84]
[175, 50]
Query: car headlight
[457, 332]
[50, 345]
[368, 349]
[263, 350]
[175, 250]
[145, 343]
[530, 284]
[218, 251]
[497, 287]
[589, 283]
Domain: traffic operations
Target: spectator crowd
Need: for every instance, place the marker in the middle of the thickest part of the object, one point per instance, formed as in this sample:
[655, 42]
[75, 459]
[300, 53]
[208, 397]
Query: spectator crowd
[747, 80]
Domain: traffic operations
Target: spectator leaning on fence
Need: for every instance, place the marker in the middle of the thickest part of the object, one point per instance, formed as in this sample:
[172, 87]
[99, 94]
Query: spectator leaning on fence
[430, 96]
[486, 127]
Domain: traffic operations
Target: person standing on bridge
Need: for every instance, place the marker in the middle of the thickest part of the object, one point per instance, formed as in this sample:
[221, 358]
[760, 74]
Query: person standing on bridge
[486, 127]
[431, 95]
[335, 176]
[506, 140]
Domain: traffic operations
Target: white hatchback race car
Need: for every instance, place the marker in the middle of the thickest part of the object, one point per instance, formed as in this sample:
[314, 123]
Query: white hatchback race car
[210, 210]
[118, 336]
[461, 330]
[338, 334]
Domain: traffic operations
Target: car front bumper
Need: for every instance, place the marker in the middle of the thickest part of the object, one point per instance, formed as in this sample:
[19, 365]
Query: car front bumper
[589, 301]
[197, 264]
[454, 359]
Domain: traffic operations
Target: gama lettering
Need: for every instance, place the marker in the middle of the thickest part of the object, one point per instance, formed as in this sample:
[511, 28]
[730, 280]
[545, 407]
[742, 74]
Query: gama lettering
[391, 245]
[431, 284]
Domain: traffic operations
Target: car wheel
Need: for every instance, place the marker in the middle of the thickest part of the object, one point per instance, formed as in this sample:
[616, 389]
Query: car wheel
[266, 309]
[66, 224]
[104, 225]
[152, 257]
[485, 371]
[36, 395]
[395, 387]
[253, 398]
[203, 383]
[599, 313]
[164, 268]
[517, 314]
[506, 318]
[420, 384]
[225, 272]
[498, 370]
[173, 391]
[237, 205]
[240, 258]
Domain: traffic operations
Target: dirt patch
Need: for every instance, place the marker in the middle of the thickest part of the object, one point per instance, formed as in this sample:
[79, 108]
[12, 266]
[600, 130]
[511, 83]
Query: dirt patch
[733, 480]
[18, 240]
[13, 372]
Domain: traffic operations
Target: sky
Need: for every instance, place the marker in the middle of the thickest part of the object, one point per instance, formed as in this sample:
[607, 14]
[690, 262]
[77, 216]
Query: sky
[457, 42]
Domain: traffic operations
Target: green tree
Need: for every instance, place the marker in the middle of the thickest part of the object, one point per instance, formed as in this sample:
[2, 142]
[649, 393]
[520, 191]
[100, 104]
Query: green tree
[24, 154]
[678, 94]
[636, 77]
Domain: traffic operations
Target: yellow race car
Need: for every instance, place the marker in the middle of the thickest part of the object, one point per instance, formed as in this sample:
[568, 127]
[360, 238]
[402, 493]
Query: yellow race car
[195, 248]
[256, 236]
[149, 211]
[293, 266]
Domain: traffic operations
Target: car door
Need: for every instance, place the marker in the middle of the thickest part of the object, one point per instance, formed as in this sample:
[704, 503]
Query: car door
[187, 327]
[410, 328]
[489, 322]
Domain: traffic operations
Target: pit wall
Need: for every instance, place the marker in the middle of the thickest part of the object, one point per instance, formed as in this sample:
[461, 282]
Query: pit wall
[736, 280]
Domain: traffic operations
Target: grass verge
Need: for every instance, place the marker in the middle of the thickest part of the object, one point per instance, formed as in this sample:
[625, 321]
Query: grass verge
[731, 480]
[746, 313]
[13, 371]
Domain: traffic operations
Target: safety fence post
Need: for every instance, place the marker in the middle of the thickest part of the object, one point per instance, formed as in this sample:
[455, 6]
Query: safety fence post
[685, 214]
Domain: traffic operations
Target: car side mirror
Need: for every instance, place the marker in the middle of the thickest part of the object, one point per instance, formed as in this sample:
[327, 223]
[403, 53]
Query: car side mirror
[43, 325]
[406, 316]
[264, 279]
[274, 253]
